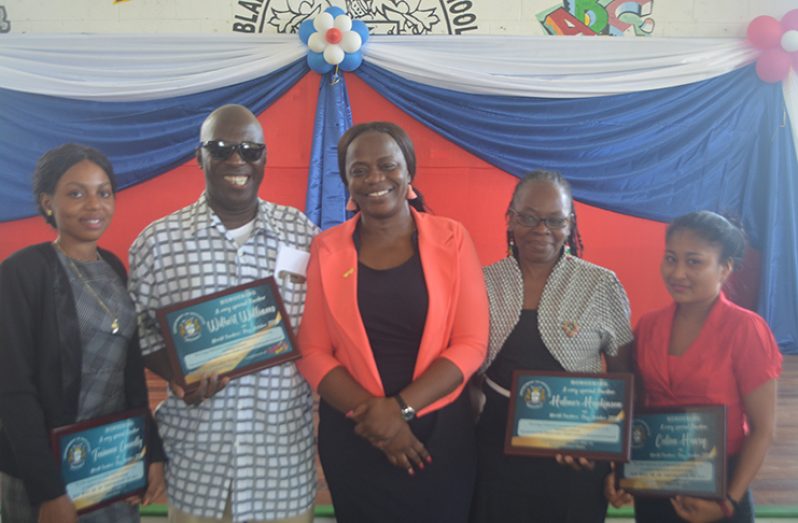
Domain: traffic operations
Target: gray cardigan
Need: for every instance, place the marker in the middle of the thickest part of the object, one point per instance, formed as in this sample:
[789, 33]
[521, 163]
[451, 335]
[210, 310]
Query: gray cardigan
[583, 311]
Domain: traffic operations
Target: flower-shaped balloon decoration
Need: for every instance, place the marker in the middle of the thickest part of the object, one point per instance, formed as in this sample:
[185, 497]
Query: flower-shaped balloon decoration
[334, 40]
[778, 42]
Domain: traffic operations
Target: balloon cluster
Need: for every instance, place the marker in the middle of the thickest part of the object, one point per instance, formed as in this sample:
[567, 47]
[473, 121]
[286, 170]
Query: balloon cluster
[334, 40]
[778, 41]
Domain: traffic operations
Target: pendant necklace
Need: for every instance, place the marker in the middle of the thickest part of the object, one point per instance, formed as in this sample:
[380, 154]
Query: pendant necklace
[87, 285]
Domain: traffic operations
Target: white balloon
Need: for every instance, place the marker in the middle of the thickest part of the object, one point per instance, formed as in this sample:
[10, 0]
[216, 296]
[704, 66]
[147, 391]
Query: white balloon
[316, 42]
[333, 54]
[789, 41]
[323, 22]
[343, 22]
[351, 42]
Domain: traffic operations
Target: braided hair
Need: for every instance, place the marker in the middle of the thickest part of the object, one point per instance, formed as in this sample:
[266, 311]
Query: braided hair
[574, 241]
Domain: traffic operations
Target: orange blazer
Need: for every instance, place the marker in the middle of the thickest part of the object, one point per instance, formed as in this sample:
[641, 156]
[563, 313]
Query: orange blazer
[332, 332]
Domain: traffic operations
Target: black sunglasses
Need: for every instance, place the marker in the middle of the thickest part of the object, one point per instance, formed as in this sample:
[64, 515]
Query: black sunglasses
[221, 150]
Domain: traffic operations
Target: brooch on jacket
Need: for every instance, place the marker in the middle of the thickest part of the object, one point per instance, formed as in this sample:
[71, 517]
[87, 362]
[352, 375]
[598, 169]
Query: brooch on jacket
[570, 328]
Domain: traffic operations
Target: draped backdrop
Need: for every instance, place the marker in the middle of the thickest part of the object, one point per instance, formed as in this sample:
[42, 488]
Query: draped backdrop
[651, 127]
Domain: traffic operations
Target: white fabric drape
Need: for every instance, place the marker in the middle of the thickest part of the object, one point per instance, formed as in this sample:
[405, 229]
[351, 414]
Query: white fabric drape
[556, 67]
[127, 67]
[135, 67]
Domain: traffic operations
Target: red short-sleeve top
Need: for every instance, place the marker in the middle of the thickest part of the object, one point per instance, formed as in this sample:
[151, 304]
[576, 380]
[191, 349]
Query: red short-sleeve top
[734, 353]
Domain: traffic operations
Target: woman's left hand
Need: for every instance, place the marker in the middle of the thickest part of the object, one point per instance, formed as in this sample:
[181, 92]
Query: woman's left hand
[696, 510]
[406, 451]
[156, 483]
[377, 419]
[156, 486]
[576, 463]
[616, 496]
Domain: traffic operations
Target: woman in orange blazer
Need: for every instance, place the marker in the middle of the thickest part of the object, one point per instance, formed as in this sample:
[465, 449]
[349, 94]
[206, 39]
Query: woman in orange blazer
[395, 323]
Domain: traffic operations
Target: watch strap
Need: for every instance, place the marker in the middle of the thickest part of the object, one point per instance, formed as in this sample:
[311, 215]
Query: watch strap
[734, 503]
[724, 507]
[407, 411]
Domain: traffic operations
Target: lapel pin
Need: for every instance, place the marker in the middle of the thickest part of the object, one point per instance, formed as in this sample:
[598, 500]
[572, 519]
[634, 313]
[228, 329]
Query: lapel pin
[570, 328]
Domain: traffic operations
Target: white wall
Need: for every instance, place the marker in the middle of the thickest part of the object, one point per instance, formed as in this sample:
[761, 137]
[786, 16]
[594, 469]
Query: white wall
[671, 18]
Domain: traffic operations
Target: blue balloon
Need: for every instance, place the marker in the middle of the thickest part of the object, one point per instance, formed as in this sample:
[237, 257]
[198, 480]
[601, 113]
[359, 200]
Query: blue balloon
[305, 30]
[360, 27]
[317, 63]
[335, 11]
[351, 61]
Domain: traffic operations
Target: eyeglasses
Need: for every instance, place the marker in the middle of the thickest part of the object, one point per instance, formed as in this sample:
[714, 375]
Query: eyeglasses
[551, 223]
[221, 150]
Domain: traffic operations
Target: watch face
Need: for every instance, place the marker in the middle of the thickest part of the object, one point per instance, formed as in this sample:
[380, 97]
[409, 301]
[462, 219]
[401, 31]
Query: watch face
[406, 410]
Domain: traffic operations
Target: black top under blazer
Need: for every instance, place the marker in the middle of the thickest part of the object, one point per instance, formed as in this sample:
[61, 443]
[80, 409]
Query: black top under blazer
[40, 366]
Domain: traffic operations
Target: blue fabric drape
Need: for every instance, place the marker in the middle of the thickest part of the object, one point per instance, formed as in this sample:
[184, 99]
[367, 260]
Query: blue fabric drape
[142, 139]
[326, 197]
[720, 144]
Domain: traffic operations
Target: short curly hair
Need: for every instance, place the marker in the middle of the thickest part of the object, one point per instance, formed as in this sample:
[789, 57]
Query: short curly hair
[402, 140]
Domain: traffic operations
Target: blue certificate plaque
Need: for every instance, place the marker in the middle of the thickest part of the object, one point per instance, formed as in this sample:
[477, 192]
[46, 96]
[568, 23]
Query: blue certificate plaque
[677, 451]
[231, 333]
[103, 460]
[579, 414]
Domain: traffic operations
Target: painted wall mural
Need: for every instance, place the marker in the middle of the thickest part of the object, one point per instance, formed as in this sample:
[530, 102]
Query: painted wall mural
[5, 24]
[682, 18]
[381, 16]
[599, 17]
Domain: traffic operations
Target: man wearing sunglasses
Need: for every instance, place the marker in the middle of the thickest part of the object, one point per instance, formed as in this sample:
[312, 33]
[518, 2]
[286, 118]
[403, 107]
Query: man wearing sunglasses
[239, 450]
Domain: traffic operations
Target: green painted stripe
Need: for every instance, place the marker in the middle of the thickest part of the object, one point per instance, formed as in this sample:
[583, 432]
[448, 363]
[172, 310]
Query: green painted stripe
[153, 510]
[777, 511]
[623, 512]
[326, 511]
[762, 511]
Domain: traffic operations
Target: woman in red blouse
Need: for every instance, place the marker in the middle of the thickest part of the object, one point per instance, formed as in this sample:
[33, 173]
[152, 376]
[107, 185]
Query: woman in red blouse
[704, 349]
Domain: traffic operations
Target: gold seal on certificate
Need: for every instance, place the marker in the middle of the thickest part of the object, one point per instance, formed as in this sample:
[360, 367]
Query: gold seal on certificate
[570, 413]
[103, 460]
[231, 333]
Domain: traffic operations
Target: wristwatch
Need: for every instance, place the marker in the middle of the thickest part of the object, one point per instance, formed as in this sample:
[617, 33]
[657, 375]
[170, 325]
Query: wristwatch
[728, 512]
[407, 411]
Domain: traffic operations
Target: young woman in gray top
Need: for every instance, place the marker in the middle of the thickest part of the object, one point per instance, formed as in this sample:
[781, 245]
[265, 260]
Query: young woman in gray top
[67, 341]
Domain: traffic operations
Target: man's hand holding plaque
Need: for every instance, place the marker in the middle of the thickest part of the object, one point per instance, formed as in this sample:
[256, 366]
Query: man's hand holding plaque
[227, 334]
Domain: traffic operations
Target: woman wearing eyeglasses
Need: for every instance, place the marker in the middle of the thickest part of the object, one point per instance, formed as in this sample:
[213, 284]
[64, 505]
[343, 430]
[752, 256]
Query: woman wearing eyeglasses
[549, 311]
[68, 345]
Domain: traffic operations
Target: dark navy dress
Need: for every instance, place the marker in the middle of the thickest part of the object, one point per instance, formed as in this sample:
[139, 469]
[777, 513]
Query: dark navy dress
[518, 488]
[365, 487]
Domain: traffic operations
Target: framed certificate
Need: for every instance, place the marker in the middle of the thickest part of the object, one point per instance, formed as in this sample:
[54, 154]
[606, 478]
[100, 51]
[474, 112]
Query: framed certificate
[580, 414]
[677, 451]
[103, 460]
[231, 333]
